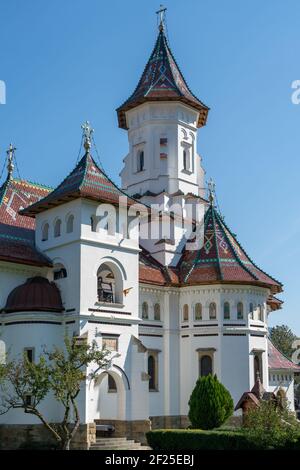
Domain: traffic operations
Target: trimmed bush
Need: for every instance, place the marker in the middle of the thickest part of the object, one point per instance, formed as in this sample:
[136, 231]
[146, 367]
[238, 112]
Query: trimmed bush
[210, 403]
[190, 439]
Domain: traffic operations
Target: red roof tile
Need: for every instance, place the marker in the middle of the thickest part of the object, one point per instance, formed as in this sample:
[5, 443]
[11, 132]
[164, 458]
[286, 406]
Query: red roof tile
[278, 361]
[162, 80]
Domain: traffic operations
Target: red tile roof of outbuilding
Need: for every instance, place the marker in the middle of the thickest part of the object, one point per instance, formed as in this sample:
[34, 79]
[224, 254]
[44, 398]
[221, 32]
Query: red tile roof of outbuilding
[278, 361]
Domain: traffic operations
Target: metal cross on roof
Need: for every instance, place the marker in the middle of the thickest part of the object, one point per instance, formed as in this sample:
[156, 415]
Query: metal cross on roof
[87, 134]
[161, 12]
[10, 159]
[211, 189]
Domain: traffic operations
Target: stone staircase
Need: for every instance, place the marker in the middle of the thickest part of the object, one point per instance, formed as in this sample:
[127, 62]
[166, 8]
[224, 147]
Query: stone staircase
[117, 443]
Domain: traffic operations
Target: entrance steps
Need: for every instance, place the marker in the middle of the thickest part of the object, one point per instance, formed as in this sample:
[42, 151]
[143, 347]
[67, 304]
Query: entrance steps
[117, 443]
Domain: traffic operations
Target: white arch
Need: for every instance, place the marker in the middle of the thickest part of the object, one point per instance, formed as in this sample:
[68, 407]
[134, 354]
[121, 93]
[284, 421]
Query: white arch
[121, 393]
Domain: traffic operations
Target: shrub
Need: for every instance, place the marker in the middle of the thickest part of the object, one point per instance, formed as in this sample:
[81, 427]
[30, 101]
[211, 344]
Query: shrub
[272, 426]
[196, 439]
[210, 403]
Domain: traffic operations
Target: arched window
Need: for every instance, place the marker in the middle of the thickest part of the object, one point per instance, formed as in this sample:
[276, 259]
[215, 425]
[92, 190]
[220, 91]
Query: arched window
[70, 223]
[185, 313]
[59, 272]
[152, 372]
[57, 228]
[140, 161]
[251, 309]
[257, 368]
[145, 311]
[260, 313]
[205, 365]
[240, 311]
[110, 286]
[226, 311]
[198, 311]
[156, 312]
[45, 232]
[212, 311]
[112, 386]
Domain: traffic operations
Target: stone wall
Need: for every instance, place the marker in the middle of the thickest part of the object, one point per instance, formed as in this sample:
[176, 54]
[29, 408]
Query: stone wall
[30, 436]
[131, 429]
[169, 422]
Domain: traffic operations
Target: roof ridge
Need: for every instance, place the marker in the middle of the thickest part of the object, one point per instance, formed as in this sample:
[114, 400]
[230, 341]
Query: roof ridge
[216, 243]
[287, 358]
[33, 183]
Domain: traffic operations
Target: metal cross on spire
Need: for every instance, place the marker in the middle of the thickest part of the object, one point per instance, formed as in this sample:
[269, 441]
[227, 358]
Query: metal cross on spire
[10, 159]
[211, 190]
[87, 134]
[161, 12]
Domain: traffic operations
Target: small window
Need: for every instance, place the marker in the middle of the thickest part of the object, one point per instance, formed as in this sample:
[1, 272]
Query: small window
[205, 366]
[153, 372]
[226, 311]
[156, 312]
[29, 352]
[240, 311]
[140, 161]
[57, 228]
[212, 311]
[260, 313]
[70, 224]
[185, 312]
[198, 311]
[163, 141]
[45, 233]
[145, 311]
[112, 386]
[28, 400]
[185, 160]
[251, 310]
[59, 273]
[110, 343]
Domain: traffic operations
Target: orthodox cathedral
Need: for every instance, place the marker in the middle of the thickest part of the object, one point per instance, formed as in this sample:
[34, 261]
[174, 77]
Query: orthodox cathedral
[168, 312]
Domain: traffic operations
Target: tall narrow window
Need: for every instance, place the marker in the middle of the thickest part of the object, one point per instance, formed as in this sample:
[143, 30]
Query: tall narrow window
[185, 312]
[153, 372]
[57, 228]
[198, 311]
[112, 386]
[212, 311]
[226, 311]
[140, 161]
[70, 223]
[45, 232]
[156, 312]
[29, 352]
[145, 311]
[185, 160]
[260, 313]
[240, 311]
[251, 309]
[257, 368]
[205, 365]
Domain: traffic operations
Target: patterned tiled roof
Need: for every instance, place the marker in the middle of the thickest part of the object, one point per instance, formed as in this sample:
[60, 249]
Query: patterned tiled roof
[86, 180]
[17, 231]
[152, 272]
[221, 259]
[278, 361]
[162, 81]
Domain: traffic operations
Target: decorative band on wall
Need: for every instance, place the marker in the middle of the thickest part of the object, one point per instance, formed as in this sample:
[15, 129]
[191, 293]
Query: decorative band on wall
[234, 324]
[257, 335]
[234, 334]
[110, 335]
[70, 310]
[69, 322]
[25, 322]
[205, 326]
[209, 334]
[184, 326]
[108, 311]
[109, 323]
[257, 326]
[153, 336]
[185, 336]
[150, 325]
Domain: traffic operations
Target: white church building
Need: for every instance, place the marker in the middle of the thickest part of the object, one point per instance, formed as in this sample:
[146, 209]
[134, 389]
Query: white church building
[168, 309]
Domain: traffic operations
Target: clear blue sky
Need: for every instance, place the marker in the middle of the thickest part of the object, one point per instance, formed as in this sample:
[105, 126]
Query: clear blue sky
[65, 61]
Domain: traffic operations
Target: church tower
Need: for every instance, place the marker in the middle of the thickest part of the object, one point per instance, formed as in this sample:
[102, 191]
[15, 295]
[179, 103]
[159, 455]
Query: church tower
[162, 117]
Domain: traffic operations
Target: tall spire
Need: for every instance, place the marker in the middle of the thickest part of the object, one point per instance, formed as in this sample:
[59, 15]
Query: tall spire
[161, 14]
[10, 160]
[211, 191]
[87, 134]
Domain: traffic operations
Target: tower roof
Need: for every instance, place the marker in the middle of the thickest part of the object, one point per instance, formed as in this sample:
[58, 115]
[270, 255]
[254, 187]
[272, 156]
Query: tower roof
[162, 80]
[222, 259]
[86, 180]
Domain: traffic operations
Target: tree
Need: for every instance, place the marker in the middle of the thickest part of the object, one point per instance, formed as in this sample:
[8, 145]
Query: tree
[282, 337]
[270, 425]
[210, 403]
[62, 372]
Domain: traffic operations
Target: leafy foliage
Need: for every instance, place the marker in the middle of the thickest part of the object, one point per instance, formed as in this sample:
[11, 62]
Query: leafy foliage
[210, 403]
[282, 337]
[271, 426]
[62, 372]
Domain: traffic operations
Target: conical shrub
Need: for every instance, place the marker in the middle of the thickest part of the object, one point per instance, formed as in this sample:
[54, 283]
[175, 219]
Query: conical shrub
[210, 404]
